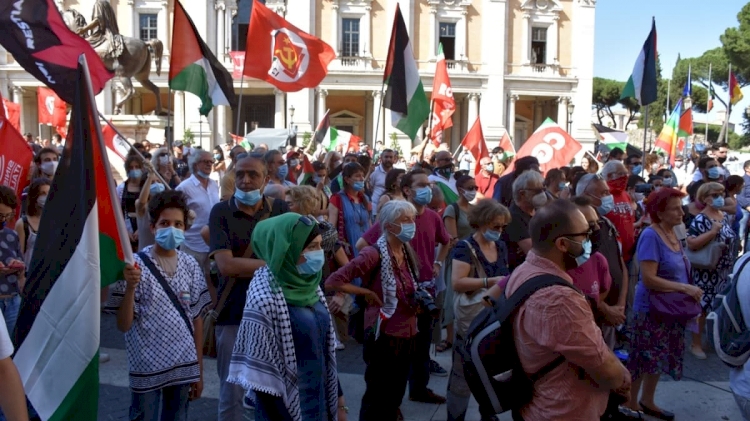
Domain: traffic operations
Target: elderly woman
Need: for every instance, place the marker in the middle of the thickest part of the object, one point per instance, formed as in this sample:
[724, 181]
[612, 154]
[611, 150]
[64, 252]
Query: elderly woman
[710, 225]
[389, 271]
[657, 342]
[161, 160]
[284, 351]
[479, 262]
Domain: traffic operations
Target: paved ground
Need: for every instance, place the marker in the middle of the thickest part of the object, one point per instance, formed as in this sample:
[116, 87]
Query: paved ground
[703, 395]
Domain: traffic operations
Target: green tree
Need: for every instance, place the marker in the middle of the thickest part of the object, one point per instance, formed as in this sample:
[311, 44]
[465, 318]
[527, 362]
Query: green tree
[699, 66]
[736, 46]
[606, 94]
[395, 145]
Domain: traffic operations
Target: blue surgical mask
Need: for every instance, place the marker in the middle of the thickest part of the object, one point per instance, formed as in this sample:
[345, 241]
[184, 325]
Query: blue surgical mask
[201, 174]
[718, 202]
[283, 171]
[250, 198]
[491, 235]
[314, 262]
[358, 185]
[561, 185]
[423, 196]
[668, 182]
[169, 238]
[608, 204]
[156, 188]
[133, 174]
[637, 169]
[714, 173]
[407, 232]
[586, 255]
[317, 179]
[217, 156]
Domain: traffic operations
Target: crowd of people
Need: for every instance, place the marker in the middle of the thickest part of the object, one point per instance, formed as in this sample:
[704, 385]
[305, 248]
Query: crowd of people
[278, 269]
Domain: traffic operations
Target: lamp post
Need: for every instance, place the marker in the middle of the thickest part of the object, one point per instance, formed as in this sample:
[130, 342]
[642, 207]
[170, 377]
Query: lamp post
[291, 116]
[571, 108]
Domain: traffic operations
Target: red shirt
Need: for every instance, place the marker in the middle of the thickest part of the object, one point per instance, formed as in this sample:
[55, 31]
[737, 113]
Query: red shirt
[592, 277]
[486, 183]
[623, 218]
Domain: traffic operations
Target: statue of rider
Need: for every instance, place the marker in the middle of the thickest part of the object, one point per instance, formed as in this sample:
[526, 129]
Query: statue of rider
[105, 36]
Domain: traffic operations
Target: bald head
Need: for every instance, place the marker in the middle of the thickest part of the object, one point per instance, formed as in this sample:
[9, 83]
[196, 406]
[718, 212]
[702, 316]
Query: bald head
[277, 191]
[557, 219]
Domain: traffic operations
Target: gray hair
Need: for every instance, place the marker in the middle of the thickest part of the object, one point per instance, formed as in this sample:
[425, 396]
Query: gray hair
[277, 191]
[524, 180]
[155, 157]
[584, 183]
[611, 167]
[393, 210]
[195, 157]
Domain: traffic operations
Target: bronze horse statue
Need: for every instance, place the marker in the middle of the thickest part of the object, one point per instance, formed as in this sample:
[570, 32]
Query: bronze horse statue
[128, 58]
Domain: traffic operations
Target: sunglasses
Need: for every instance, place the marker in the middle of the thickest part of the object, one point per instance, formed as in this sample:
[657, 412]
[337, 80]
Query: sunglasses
[578, 234]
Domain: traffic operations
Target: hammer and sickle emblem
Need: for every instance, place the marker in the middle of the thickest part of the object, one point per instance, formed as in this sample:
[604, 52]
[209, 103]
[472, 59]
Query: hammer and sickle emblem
[287, 55]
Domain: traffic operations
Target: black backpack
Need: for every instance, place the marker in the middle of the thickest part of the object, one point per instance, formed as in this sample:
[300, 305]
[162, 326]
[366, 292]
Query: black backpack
[491, 364]
[726, 329]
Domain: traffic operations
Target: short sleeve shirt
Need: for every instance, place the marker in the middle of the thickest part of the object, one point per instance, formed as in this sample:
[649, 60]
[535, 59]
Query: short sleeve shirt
[463, 227]
[10, 248]
[671, 265]
[462, 252]
[592, 277]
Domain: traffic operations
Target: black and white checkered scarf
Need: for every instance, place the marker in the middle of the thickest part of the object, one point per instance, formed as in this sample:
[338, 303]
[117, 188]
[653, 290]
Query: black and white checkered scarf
[264, 359]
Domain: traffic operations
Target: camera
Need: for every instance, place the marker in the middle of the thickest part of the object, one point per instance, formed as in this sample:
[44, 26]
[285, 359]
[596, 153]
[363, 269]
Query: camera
[425, 302]
[644, 188]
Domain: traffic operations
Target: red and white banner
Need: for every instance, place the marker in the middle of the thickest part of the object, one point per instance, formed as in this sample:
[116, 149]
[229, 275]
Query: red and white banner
[52, 110]
[238, 63]
[551, 145]
[15, 157]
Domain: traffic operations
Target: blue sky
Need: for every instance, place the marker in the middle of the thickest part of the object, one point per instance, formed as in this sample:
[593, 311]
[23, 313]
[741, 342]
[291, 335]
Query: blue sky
[685, 27]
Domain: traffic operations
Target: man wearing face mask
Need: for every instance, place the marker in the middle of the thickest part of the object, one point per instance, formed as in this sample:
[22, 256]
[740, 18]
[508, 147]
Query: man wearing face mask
[430, 232]
[443, 176]
[201, 194]
[621, 212]
[504, 187]
[486, 179]
[634, 164]
[528, 196]
[46, 162]
[231, 225]
[542, 325]
[278, 168]
[721, 158]
[377, 178]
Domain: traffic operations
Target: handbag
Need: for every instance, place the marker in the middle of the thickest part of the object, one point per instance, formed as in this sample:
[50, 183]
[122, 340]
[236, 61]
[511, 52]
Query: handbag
[708, 257]
[167, 289]
[674, 306]
[466, 305]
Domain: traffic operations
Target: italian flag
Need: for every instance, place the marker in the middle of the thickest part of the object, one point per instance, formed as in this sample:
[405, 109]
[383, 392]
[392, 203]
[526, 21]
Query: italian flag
[194, 68]
[405, 95]
[82, 247]
[642, 83]
[335, 138]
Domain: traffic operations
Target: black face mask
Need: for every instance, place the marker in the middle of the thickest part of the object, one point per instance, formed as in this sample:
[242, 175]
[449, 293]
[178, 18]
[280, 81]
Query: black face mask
[445, 170]
[721, 160]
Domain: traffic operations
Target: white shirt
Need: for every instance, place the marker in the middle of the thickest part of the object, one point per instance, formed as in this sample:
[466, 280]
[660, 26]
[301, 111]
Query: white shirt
[200, 200]
[6, 346]
[377, 181]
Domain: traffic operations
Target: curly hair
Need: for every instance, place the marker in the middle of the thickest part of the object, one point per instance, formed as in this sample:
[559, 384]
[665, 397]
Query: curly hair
[485, 211]
[169, 199]
[306, 198]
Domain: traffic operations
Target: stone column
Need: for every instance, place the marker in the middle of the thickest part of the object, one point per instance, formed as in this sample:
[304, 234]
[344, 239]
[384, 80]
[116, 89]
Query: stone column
[163, 27]
[511, 124]
[538, 114]
[377, 115]
[18, 99]
[366, 32]
[525, 34]
[278, 117]
[552, 37]
[133, 20]
[473, 107]
[221, 132]
[335, 28]
[562, 112]
[433, 31]
[221, 20]
[178, 118]
[460, 52]
[322, 94]
[455, 139]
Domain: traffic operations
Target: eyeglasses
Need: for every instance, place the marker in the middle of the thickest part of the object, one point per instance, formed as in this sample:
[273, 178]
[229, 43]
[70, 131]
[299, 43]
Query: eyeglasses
[586, 234]
[500, 227]
[207, 161]
[7, 216]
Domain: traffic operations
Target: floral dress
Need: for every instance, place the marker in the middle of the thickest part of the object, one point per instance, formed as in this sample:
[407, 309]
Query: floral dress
[712, 281]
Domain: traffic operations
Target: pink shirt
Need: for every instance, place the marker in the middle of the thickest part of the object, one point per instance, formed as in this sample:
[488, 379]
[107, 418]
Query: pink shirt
[558, 321]
[592, 277]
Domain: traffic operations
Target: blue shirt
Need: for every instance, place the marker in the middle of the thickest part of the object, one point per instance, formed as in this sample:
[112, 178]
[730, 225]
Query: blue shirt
[672, 265]
[499, 267]
[743, 198]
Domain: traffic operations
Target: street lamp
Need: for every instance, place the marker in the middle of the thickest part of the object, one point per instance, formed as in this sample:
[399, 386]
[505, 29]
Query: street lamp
[291, 116]
[571, 108]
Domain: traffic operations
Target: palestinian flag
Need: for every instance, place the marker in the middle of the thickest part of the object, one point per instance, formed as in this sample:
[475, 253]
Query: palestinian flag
[322, 130]
[308, 172]
[405, 95]
[642, 83]
[194, 68]
[611, 137]
[82, 247]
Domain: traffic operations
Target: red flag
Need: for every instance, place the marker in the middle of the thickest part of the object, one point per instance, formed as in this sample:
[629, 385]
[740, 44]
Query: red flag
[12, 112]
[15, 157]
[354, 142]
[282, 54]
[62, 131]
[114, 142]
[507, 144]
[443, 103]
[551, 145]
[238, 63]
[474, 143]
[52, 110]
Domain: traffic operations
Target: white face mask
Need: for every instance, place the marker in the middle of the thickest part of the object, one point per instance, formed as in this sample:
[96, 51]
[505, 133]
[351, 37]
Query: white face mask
[470, 195]
[539, 200]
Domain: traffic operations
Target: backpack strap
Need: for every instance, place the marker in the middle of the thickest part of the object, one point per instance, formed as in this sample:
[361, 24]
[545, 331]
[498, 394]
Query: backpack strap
[26, 233]
[456, 210]
[167, 289]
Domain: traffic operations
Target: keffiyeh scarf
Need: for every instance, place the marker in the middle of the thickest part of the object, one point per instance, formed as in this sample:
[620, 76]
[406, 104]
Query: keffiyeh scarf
[264, 359]
[388, 282]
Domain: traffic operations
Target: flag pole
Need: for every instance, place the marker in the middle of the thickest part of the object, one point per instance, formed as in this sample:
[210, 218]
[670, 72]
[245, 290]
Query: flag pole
[709, 99]
[200, 130]
[239, 106]
[377, 120]
[729, 104]
[669, 94]
[132, 149]
[645, 136]
[170, 131]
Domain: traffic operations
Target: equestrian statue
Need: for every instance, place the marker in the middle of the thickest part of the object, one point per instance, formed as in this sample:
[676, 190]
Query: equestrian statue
[126, 56]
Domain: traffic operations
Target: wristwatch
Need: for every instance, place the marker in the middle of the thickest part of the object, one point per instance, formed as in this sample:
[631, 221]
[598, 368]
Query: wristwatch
[345, 408]
[437, 262]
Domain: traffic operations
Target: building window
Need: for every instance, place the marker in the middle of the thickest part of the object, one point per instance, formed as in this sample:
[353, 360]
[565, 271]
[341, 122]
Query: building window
[350, 37]
[148, 26]
[448, 39]
[538, 45]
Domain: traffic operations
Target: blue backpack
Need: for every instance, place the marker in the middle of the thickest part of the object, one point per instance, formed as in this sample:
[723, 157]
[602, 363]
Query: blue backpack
[726, 329]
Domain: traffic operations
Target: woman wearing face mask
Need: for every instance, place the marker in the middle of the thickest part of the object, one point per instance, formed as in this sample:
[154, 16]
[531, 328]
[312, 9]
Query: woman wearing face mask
[220, 165]
[164, 346]
[162, 161]
[658, 344]
[456, 220]
[286, 306]
[388, 269]
[479, 262]
[27, 226]
[349, 210]
[392, 187]
[128, 192]
[641, 217]
[712, 224]
[151, 187]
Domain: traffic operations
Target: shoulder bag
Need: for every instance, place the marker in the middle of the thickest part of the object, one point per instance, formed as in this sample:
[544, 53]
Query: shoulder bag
[708, 257]
[466, 305]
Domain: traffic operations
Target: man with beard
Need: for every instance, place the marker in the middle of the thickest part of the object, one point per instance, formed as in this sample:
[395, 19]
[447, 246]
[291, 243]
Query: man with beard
[721, 158]
[443, 176]
[377, 178]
